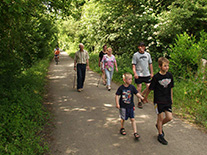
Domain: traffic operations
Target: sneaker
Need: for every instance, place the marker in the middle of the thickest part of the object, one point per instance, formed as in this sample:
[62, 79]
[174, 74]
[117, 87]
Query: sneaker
[79, 90]
[140, 105]
[162, 140]
[109, 88]
[162, 131]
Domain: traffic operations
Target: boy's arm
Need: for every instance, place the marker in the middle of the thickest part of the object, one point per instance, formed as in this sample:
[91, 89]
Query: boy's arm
[146, 95]
[117, 101]
[140, 96]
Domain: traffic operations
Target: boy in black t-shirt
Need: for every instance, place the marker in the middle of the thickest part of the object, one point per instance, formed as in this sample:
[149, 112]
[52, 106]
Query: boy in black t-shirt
[162, 84]
[125, 103]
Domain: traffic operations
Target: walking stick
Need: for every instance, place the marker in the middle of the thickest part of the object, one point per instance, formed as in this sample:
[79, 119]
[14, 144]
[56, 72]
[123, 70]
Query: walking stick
[99, 81]
[74, 79]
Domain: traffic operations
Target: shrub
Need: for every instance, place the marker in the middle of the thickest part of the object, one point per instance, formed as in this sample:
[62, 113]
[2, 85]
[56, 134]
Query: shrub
[185, 56]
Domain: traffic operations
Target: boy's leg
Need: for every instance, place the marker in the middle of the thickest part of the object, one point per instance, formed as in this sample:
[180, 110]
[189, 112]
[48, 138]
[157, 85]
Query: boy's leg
[122, 123]
[122, 130]
[136, 135]
[168, 117]
[160, 136]
[159, 123]
[134, 125]
[123, 116]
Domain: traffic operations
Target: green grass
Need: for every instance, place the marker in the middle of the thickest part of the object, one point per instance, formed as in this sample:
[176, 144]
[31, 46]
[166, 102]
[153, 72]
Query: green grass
[23, 114]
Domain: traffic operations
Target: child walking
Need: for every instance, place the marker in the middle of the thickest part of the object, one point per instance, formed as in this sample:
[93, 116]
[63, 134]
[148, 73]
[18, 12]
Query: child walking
[125, 103]
[162, 84]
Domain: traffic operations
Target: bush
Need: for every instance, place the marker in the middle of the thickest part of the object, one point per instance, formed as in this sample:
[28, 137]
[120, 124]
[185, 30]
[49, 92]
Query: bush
[202, 44]
[185, 56]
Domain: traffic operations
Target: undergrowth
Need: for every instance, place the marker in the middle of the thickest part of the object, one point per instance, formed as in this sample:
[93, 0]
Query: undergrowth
[23, 114]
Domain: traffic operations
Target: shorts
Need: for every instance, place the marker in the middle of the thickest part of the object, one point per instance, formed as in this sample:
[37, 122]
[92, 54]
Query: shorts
[146, 79]
[126, 113]
[159, 108]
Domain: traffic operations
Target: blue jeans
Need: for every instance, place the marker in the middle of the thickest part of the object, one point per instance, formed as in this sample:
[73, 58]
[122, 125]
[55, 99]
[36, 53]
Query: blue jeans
[109, 76]
[81, 73]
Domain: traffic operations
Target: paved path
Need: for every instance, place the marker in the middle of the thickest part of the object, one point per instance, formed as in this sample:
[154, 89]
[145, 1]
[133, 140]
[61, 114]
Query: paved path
[87, 123]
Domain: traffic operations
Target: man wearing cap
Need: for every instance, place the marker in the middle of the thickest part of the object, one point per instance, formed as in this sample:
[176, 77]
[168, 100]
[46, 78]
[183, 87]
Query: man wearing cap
[141, 62]
[81, 63]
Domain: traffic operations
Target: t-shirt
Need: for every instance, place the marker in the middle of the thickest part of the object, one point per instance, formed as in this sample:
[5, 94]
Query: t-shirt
[126, 99]
[101, 54]
[108, 62]
[141, 62]
[162, 84]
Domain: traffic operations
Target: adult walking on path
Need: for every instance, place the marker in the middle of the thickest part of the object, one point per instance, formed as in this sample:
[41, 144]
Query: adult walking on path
[88, 123]
[141, 62]
[108, 62]
[81, 62]
[101, 54]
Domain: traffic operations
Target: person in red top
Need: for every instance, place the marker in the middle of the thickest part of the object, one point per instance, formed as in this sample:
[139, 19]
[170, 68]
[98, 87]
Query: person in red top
[57, 52]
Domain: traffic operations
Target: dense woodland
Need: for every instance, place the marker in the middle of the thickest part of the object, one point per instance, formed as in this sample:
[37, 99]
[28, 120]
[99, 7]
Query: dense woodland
[30, 30]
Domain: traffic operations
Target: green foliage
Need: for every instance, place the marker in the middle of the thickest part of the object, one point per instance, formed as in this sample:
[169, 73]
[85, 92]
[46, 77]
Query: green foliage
[185, 56]
[28, 33]
[202, 44]
[188, 16]
[22, 113]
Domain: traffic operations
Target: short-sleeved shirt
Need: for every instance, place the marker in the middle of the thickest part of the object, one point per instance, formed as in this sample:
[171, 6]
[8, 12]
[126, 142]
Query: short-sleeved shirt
[101, 54]
[81, 57]
[126, 99]
[162, 84]
[141, 62]
[108, 62]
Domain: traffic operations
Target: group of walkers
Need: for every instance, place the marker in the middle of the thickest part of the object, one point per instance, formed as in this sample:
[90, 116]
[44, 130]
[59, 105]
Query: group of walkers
[161, 83]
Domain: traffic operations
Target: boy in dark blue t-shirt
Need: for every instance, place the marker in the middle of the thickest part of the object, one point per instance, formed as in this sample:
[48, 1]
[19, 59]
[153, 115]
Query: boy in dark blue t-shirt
[162, 84]
[125, 103]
